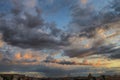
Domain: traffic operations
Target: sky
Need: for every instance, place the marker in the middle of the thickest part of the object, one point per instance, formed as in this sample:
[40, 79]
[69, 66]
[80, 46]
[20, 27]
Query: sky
[58, 38]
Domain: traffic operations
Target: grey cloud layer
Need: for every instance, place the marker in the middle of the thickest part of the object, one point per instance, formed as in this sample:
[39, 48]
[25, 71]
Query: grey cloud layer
[57, 70]
[27, 30]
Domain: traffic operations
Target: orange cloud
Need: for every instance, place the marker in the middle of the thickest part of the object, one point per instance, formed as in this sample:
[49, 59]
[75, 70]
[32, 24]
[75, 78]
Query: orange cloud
[97, 64]
[101, 33]
[1, 56]
[18, 56]
[27, 56]
[83, 1]
[1, 42]
[85, 62]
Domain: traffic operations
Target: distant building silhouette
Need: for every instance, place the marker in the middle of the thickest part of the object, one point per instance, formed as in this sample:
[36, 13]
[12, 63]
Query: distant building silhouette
[94, 78]
[90, 76]
[103, 77]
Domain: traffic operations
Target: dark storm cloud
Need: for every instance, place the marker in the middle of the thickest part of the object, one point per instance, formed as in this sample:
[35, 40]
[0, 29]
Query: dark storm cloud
[71, 62]
[27, 30]
[26, 37]
[83, 17]
[111, 13]
[50, 59]
[116, 54]
[89, 24]
[87, 52]
[27, 61]
[79, 53]
[86, 17]
[97, 46]
[63, 62]
[99, 35]
[90, 32]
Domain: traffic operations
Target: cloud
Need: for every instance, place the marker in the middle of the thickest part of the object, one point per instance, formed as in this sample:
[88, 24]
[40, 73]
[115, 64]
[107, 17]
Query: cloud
[24, 6]
[94, 40]
[83, 1]
[28, 43]
[79, 53]
[29, 57]
[116, 54]
[1, 41]
[25, 58]
[86, 16]
[16, 55]
[83, 17]
[98, 62]
[33, 37]
[50, 70]
[30, 31]
[30, 3]
[27, 30]
[50, 59]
